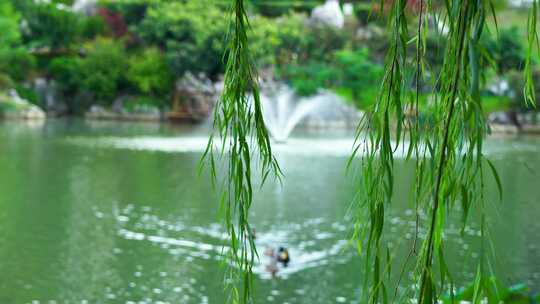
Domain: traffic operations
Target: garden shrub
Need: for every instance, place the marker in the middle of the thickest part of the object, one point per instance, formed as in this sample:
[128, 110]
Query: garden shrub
[6, 82]
[149, 74]
[308, 78]
[16, 62]
[356, 72]
[282, 7]
[507, 50]
[102, 71]
[351, 74]
[143, 104]
[50, 26]
[191, 33]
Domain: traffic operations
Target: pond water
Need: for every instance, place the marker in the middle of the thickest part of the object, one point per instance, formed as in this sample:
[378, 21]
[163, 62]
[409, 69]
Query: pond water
[117, 213]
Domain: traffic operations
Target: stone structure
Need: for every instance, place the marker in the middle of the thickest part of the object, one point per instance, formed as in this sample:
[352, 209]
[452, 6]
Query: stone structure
[193, 99]
[14, 107]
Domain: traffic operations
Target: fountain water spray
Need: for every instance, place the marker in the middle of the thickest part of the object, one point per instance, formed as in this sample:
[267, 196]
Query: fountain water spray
[283, 110]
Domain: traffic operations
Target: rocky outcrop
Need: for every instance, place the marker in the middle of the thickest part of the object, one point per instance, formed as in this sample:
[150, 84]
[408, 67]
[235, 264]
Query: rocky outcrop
[334, 113]
[193, 99]
[12, 106]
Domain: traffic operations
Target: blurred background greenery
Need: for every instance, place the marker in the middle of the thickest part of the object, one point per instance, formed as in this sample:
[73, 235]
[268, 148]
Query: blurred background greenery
[139, 48]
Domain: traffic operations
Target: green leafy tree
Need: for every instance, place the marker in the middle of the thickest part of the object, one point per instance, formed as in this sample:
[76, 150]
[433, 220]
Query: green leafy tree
[191, 33]
[9, 23]
[50, 25]
[65, 70]
[357, 73]
[149, 73]
[15, 60]
[279, 41]
[91, 27]
[307, 79]
[351, 73]
[102, 70]
[507, 50]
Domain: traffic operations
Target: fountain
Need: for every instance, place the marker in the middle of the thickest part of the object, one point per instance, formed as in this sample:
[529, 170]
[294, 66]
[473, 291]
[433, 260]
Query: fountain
[283, 110]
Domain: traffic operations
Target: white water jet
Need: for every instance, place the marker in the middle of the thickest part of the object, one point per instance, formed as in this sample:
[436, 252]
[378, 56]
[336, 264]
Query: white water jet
[283, 110]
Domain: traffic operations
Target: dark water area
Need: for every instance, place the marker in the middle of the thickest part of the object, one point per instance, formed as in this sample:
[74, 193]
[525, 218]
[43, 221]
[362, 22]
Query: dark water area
[108, 212]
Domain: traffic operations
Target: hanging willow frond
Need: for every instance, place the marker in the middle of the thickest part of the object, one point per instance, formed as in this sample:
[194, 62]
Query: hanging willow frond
[533, 42]
[448, 151]
[378, 162]
[239, 123]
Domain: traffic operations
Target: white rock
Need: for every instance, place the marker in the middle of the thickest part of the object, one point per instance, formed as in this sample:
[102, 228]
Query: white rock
[33, 112]
[87, 7]
[328, 14]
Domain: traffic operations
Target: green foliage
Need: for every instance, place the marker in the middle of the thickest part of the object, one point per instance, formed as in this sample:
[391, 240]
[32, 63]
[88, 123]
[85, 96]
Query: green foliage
[6, 82]
[281, 7]
[356, 72]
[92, 26]
[66, 72]
[446, 152]
[51, 26]
[132, 11]
[492, 104]
[292, 38]
[9, 23]
[529, 92]
[102, 71]
[307, 79]
[508, 51]
[142, 104]
[434, 51]
[191, 33]
[282, 41]
[495, 292]
[149, 73]
[265, 40]
[351, 73]
[239, 123]
[96, 77]
[27, 93]
[17, 62]
[289, 39]
[323, 41]
[517, 82]
[363, 12]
